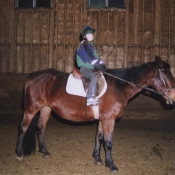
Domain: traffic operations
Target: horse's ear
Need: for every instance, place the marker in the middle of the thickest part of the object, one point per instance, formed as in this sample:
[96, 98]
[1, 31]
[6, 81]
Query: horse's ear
[159, 61]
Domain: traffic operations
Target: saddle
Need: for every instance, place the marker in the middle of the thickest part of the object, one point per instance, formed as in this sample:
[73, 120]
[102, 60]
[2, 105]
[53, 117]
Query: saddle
[76, 74]
[77, 83]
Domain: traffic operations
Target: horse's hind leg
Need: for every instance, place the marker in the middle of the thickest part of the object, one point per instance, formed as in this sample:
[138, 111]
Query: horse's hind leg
[22, 147]
[98, 142]
[44, 117]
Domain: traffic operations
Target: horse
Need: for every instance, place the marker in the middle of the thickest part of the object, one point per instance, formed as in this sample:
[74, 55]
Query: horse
[45, 90]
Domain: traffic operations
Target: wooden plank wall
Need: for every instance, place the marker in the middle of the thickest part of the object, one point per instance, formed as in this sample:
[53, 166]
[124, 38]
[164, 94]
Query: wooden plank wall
[36, 39]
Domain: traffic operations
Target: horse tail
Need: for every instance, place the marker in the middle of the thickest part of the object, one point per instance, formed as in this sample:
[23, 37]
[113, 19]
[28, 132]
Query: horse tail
[24, 95]
[29, 139]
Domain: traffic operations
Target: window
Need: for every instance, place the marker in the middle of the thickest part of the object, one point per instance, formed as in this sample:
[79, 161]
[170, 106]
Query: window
[106, 3]
[32, 3]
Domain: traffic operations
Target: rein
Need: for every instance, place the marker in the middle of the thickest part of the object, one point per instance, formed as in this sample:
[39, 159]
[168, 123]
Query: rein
[133, 84]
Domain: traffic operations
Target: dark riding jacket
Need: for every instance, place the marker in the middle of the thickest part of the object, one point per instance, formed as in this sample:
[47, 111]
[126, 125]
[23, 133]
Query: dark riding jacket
[86, 54]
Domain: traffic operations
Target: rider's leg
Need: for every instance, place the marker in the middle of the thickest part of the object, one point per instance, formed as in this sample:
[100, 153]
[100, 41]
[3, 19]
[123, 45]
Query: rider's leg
[88, 73]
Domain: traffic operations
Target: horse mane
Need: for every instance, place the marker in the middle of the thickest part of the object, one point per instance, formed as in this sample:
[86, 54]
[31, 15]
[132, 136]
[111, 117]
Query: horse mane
[132, 74]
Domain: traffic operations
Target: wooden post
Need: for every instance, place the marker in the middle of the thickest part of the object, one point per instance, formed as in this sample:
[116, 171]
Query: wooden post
[65, 19]
[1, 2]
[143, 28]
[51, 34]
[31, 44]
[160, 27]
[126, 33]
[23, 40]
[169, 29]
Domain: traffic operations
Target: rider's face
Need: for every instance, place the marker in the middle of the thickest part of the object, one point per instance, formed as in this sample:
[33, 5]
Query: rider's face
[90, 37]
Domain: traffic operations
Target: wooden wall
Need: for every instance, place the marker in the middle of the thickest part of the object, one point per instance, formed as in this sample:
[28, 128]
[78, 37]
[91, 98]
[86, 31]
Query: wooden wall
[35, 39]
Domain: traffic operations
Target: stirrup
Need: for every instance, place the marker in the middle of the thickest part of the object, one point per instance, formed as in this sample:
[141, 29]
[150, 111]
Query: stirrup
[92, 102]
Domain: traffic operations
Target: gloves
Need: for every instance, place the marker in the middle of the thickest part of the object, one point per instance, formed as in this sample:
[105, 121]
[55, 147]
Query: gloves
[99, 65]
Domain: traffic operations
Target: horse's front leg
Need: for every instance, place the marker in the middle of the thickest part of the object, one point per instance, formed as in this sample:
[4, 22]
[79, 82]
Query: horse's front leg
[43, 118]
[98, 142]
[108, 128]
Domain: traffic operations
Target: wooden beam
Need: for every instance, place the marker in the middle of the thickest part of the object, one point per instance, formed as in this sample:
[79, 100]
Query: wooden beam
[126, 33]
[51, 38]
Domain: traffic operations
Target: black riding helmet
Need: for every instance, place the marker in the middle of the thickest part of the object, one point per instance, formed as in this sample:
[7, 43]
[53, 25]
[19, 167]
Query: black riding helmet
[86, 30]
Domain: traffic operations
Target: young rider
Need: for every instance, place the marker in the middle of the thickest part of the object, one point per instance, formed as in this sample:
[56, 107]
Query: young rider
[88, 60]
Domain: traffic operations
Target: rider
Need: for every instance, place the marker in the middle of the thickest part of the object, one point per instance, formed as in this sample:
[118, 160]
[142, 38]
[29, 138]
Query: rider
[88, 60]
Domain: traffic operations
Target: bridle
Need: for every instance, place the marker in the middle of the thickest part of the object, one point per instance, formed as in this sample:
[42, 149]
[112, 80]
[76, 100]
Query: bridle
[165, 89]
[163, 81]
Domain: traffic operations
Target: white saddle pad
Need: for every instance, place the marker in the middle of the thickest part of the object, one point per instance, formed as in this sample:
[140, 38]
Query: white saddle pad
[75, 87]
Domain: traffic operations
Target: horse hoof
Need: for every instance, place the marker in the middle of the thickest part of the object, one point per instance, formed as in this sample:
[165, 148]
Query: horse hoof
[20, 159]
[114, 171]
[46, 155]
[98, 163]
[113, 168]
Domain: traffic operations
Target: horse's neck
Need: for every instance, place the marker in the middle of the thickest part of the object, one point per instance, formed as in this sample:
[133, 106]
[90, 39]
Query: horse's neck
[146, 81]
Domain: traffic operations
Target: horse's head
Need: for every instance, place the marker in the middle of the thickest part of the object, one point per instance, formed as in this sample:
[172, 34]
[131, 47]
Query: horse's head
[164, 82]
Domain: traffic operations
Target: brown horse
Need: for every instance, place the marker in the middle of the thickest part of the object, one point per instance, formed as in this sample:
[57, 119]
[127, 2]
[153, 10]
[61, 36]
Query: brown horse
[45, 91]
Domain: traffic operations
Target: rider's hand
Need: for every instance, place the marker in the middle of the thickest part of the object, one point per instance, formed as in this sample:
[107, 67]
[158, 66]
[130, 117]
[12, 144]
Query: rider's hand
[98, 64]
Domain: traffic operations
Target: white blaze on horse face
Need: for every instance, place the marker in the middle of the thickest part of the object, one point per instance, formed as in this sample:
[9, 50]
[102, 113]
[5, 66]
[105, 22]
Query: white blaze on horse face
[90, 37]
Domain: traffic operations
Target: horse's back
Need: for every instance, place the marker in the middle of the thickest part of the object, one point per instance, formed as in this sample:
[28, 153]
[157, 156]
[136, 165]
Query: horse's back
[46, 75]
[46, 72]
[44, 84]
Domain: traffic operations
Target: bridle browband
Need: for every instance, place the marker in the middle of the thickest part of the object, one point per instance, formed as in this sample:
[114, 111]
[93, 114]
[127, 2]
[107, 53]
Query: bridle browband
[146, 88]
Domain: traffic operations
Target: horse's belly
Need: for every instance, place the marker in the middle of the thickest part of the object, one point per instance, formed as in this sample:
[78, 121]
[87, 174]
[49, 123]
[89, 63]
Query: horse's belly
[78, 114]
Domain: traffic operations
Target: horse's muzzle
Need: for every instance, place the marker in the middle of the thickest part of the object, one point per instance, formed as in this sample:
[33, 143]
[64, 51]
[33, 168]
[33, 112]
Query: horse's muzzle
[170, 98]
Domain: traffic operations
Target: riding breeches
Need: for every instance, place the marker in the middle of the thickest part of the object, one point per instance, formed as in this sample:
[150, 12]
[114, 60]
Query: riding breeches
[88, 73]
